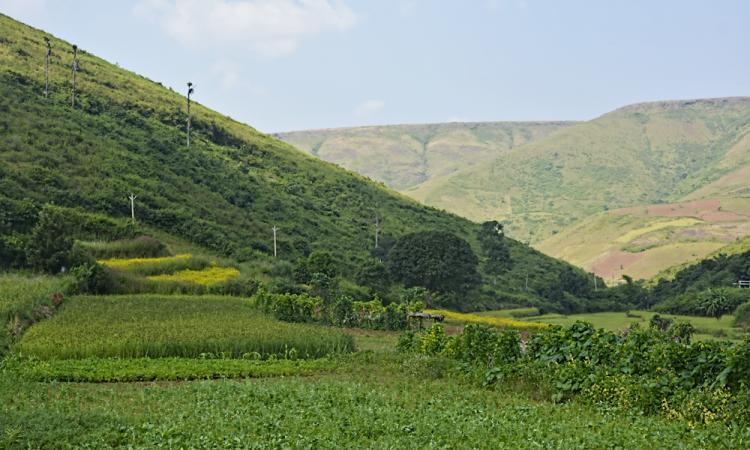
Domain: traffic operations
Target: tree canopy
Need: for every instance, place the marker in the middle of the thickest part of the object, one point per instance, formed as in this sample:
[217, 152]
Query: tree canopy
[437, 260]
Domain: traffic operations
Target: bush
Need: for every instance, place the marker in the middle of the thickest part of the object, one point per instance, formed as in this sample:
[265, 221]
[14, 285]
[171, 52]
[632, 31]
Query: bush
[91, 279]
[742, 316]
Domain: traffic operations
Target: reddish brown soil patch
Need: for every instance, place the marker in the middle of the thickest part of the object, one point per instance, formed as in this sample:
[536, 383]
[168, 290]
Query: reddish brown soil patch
[721, 216]
[608, 266]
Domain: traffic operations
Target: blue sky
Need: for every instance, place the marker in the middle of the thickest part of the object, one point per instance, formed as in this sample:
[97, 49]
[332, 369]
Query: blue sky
[284, 65]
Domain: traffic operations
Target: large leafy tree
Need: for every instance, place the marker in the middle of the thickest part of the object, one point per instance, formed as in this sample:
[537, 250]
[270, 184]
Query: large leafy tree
[492, 240]
[439, 261]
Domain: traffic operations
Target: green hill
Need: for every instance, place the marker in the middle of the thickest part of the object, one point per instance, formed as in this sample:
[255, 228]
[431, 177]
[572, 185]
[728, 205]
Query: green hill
[633, 192]
[638, 155]
[405, 156]
[225, 192]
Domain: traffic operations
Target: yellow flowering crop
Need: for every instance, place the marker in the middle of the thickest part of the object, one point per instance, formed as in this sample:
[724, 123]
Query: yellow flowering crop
[116, 263]
[495, 321]
[205, 277]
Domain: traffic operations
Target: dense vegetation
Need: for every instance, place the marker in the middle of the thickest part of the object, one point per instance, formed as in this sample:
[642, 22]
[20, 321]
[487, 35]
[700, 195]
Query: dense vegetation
[706, 288]
[651, 371]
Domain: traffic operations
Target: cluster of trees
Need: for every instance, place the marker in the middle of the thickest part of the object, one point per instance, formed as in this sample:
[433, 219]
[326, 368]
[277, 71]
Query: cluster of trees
[343, 311]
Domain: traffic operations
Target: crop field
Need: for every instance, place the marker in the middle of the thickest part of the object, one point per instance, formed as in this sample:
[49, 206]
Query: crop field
[206, 277]
[369, 403]
[156, 266]
[184, 326]
[502, 322]
[20, 299]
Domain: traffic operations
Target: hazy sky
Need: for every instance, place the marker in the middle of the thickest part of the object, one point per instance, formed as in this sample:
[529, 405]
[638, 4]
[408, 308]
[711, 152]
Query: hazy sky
[296, 64]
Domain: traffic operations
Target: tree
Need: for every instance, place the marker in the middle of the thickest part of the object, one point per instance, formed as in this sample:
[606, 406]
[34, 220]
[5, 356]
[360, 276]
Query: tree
[51, 241]
[714, 303]
[494, 246]
[374, 275]
[437, 260]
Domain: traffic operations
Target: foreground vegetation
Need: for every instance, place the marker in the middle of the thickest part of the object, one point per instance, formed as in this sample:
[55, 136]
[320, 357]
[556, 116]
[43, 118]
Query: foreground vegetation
[371, 401]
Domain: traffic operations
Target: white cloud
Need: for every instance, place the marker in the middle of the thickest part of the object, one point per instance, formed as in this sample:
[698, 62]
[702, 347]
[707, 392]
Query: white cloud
[267, 27]
[25, 10]
[369, 107]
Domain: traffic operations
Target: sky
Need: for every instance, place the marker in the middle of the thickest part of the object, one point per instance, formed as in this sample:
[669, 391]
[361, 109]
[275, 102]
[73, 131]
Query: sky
[282, 65]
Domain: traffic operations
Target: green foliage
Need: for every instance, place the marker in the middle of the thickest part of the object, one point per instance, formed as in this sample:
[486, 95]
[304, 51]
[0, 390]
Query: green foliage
[111, 370]
[492, 240]
[91, 279]
[140, 247]
[374, 275]
[652, 371]
[742, 316]
[436, 260]
[376, 404]
[161, 326]
[720, 271]
[341, 312]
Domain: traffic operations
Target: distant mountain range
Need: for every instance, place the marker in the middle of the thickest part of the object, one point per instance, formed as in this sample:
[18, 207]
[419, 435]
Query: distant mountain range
[631, 192]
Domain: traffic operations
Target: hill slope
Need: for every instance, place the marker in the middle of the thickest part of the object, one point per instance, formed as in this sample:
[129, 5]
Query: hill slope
[638, 155]
[225, 192]
[404, 156]
[642, 241]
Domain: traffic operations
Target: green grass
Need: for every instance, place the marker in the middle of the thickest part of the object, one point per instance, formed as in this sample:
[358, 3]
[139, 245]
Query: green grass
[112, 370]
[161, 326]
[375, 403]
[21, 297]
[706, 327]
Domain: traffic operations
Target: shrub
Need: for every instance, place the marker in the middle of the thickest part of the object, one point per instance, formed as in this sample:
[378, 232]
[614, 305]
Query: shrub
[91, 279]
[742, 316]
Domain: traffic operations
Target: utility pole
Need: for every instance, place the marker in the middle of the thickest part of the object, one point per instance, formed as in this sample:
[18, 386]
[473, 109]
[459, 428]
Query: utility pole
[132, 198]
[596, 287]
[74, 69]
[377, 230]
[46, 67]
[274, 240]
[189, 92]
[527, 281]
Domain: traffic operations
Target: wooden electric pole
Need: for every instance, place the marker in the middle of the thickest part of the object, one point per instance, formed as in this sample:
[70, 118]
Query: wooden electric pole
[274, 240]
[189, 92]
[74, 69]
[377, 230]
[132, 198]
[46, 66]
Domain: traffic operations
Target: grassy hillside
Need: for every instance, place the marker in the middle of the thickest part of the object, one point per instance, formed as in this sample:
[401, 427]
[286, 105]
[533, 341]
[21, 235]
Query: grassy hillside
[638, 155]
[224, 193]
[645, 240]
[404, 156]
